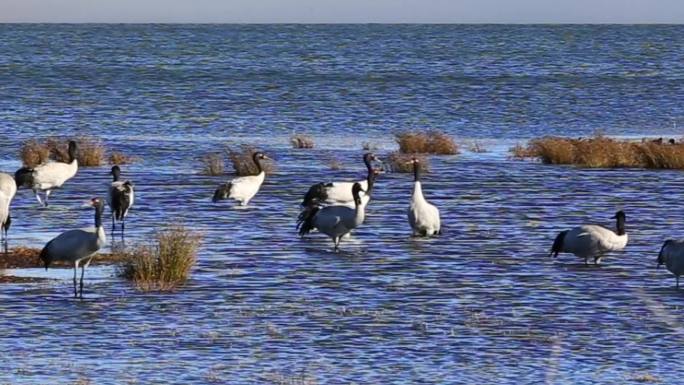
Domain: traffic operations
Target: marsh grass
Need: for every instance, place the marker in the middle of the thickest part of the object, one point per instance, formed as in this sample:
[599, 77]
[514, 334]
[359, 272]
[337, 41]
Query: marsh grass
[243, 163]
[165, 265]
[302, 141]
[335, 164]
[399, 162]
[426, 142]
[476, 146]
[212, 164]
[602, 152]
[119, 158]
[91, 151]
[33, 153]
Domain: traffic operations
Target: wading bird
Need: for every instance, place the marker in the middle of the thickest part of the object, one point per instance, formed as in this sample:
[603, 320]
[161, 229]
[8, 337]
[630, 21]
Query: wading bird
[48, 176]
[422, 216]
[591, 241]
[339, 193]
[333, 221]
[8, 188]
[672, 256]
[77, 246]
[120, 198]
[244, 188]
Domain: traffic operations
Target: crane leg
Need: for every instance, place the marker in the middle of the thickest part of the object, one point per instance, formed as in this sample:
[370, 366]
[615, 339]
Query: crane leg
[75, 274]
[47, 195]
[40, 201]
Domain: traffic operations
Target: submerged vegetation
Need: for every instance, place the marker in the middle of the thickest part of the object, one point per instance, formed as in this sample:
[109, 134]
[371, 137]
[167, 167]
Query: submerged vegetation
[302, 141]
[243, 162]
[165, 265]
[119, 158]
[426, 142]
[399, 162]
[91, 152]
[603, 152]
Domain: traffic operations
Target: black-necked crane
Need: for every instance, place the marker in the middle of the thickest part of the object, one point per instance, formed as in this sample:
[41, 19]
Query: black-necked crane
[592, 241]
[77, 246]
[8, 188]
[339, 193]
[672, 256]
[333, 221]
[120, 198]
[48, 176]
[244, 188]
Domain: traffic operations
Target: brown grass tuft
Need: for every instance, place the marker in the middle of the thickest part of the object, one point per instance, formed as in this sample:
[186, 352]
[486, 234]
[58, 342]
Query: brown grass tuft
[33, 153]
[119, 158]
[603, 152]
[91, 151]
[164, 266]
[335, 164]
[302, 141]
[426, 142]
[243, 164]
[476, 146]
[399, 162]
[213, 164]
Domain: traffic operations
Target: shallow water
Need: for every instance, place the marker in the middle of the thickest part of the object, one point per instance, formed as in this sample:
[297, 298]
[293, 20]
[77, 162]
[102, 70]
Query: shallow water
[481, 304]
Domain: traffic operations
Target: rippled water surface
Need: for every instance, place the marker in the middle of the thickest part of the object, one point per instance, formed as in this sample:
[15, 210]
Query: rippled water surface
[481, 304]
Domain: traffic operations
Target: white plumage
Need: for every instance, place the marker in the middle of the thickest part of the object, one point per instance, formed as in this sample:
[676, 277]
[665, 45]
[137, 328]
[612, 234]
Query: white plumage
[422, 216]
[340, 193]
[672, 256]
[76, 246]
[48, 176]
[8, 188]
[120, 198]
[334, 221]
[244, 188]
[591, 241]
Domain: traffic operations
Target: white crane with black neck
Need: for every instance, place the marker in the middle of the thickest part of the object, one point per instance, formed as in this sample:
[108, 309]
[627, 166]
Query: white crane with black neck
[8, 188]
[244, 188]
[339, 193]
[422, 216]
[334, 221]
[592, 241]
[48, 176]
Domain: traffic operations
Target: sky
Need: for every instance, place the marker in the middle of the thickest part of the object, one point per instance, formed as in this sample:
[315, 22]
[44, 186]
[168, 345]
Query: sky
[343, 11]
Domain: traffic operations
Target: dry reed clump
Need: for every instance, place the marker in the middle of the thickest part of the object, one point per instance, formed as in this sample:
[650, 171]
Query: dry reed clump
[399, 162]
[426, 142]
[604, 152]
[476, 146]
[243, 162]
[33, 153]
[335, 164]
[369, 146]
[165, 265]
[213, 164]
[119, 158]
[302, 141]
[91, 151]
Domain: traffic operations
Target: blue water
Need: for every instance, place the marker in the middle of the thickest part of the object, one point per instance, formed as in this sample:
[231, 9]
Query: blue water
[473, 81]
[481, 304]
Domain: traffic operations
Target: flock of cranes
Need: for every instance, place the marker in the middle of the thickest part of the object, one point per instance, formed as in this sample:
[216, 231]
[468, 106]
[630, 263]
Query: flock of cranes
[332, 208]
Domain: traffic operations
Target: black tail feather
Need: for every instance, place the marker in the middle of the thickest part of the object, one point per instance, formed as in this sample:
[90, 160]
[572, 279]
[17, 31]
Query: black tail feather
[305, 220]
[558, 244]
[316, 194]
[45, 255]
[24, 177]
